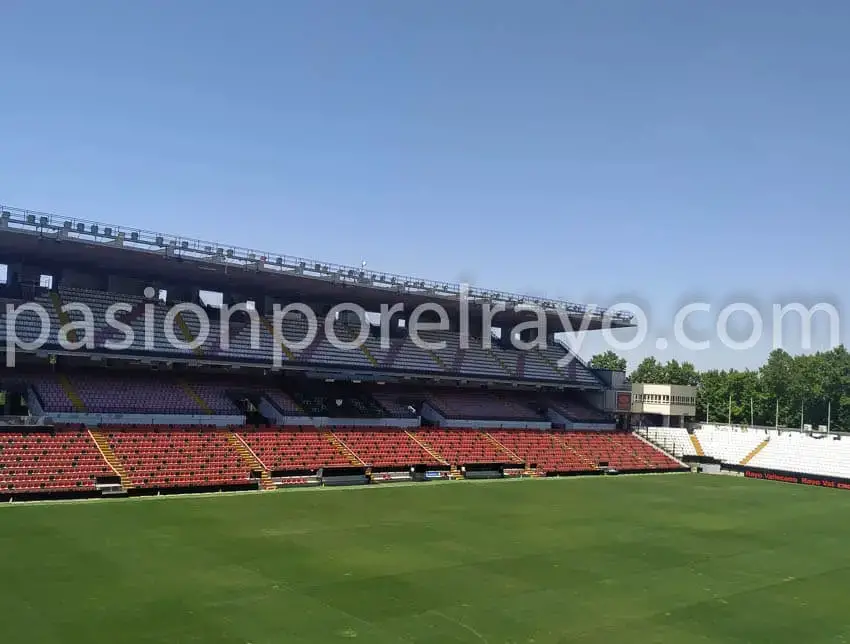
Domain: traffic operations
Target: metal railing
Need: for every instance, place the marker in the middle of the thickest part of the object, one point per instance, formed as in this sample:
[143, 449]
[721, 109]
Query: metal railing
[84, 230]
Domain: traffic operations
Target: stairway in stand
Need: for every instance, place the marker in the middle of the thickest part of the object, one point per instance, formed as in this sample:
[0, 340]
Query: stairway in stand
[557, 441]
[351, 336]
[346, 451]
[200, 402]
[71, 392]
[755, 451]
[504, 449]
[187, 333]
[499, 361]
[553, 364]
[251, 460]
[697, 447]
[520, 364]
[395, 348]
[63, 316]
[110, 457]
[268, 326]
[426, 447]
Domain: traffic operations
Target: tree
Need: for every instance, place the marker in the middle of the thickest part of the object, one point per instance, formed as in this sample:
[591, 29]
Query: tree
[608, 360]
[649, 371]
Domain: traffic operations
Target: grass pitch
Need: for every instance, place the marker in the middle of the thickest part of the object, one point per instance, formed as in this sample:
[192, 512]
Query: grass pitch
[681, 558]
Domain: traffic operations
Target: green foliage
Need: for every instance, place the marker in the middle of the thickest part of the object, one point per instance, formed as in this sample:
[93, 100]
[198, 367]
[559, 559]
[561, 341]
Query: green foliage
[608, 360]
[672, 373]
[795, 384]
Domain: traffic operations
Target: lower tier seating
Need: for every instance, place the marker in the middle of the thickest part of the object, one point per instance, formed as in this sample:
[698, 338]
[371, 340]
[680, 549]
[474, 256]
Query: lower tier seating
[50, 462]
[385, 447]
[642, 456]
[545, 450]
[295, 449]
[816, 454]
[169, 458]
[464, 446]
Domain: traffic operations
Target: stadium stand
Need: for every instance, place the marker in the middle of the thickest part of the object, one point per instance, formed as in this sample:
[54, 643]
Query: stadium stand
[180, 407]
[480, 405]
[386, 447]
[177, 457]
[821, 454]
[40, 461]
[464, 447]
[767, 449]
[294, 450]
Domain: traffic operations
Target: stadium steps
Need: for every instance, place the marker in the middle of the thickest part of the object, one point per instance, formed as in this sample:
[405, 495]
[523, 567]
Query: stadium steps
[252, 460]
[499, 361]
[342, 447]
[395, 348]
[587, 460]
[631, 452]
[270, 329]
[654, 445]
[426, 447]
[187, 333]
[755, 451]
[109, 456]
[71, 392]
[455, 473]
[440, 362]
[200, 402]
[697, 447]
[550, 362]
[307, 353]
[62, 315]
[457, 363]
[501, 447]
[520, 364]
[362, 346]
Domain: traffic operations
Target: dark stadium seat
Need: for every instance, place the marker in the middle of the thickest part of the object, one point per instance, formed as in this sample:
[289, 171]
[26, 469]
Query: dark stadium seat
[51, 462]
[464, 446]
[385, 447]
[294, 449]
[171, 457]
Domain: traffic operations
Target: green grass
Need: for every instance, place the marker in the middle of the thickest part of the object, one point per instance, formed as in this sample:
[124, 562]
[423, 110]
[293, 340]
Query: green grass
[681, 558]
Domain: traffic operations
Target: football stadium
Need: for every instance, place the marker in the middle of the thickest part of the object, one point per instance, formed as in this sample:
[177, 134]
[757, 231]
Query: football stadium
[205, 443]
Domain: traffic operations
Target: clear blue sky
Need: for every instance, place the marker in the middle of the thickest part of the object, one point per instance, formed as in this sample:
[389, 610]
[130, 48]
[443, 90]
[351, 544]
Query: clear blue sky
[592, 150]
